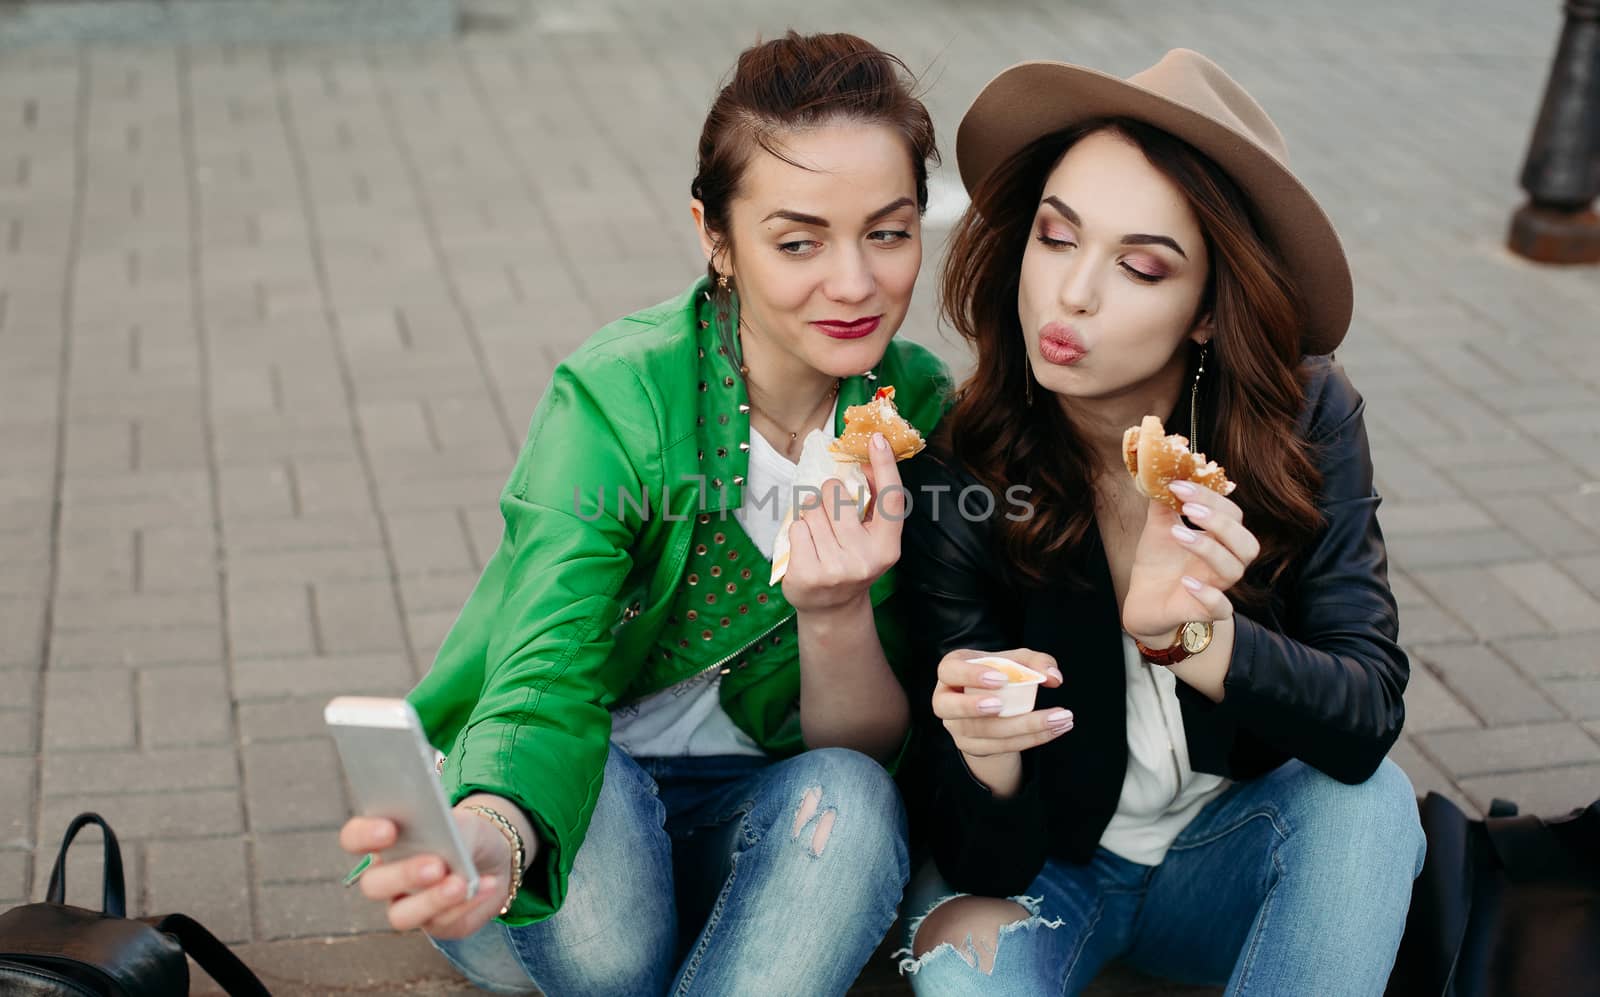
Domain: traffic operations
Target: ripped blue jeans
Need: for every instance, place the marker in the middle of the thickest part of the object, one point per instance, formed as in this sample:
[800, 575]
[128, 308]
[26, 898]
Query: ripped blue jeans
[1293, 883]
[714, 875]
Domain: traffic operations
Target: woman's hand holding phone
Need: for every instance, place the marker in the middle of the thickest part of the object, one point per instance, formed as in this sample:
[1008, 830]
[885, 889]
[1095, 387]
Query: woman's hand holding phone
[421, 891]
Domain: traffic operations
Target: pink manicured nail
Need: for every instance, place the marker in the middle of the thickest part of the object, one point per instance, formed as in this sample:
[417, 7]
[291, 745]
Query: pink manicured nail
[878, 442]
[1056, 674]
[1184, 535]
[994, 679]
[1192, 584]
[1182, 489]
[989, 706]
[1195, 511]
[1058, 718]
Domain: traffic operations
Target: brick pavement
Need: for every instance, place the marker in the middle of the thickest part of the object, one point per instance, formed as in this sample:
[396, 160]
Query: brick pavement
[272, 321]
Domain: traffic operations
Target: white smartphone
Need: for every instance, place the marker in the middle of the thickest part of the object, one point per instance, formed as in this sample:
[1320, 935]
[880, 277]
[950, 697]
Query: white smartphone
[389, 763]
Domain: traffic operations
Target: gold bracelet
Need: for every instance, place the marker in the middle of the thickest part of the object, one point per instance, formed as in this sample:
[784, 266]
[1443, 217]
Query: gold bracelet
[514, 839]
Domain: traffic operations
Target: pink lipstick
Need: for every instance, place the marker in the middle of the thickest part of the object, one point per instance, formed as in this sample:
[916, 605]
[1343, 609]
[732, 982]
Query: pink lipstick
[1059, 345]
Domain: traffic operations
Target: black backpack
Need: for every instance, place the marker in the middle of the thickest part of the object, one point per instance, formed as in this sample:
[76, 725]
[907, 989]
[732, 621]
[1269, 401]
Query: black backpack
[1505, 906]
[53, 950]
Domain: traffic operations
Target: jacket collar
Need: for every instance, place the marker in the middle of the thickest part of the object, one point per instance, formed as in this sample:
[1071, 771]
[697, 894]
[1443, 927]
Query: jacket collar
[722, 423]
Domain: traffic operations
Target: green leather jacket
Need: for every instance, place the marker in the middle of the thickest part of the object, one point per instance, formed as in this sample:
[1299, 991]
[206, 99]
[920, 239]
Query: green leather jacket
[622, 571]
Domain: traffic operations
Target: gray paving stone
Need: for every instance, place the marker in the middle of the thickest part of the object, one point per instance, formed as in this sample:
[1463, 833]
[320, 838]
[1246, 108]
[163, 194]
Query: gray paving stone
[313, 857]
[278, 678]
[1549, 792]
[156, 771]
[1554, 657]
[1482, 600]
[430, 543]
[1431, 706]
[428, 631]
[373, 963]
[1427, 777]
[1554, 597]
[430, 593]
[1487, 683]
[300, 910]
[179, 559]
[1510, 749]
[135, 648]
[1585, 569]
[184, 706]
[1577, 698]
[1542, 524]
[207, 879]
[1581, 503]
[252, 569]
[282, 720]
[17, 727]
[97, 561]
[138, 817]
[1448, 550]
[21, 631]
[17, 781]
[1433, 517]
[293, 785]
[1546, 477]
[271, 622]
[14, 871]
[88, 710]
[133, 611]
[358, 617]
[343, 531]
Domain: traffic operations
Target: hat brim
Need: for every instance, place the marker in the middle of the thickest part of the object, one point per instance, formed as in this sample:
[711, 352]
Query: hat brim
[1033, 99]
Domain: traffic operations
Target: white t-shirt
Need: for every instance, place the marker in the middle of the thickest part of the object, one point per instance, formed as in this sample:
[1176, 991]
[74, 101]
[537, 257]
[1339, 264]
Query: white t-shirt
[687, 718]
[1161, 794]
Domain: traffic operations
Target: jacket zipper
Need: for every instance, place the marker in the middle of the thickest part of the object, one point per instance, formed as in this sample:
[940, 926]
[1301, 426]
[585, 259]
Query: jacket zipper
[1172, 744]
[759, 638]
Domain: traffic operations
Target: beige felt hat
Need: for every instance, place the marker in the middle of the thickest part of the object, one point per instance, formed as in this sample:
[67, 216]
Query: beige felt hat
[1190, 97]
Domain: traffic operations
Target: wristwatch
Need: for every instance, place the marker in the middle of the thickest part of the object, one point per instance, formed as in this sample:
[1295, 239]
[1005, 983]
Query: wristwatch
[1193, 637]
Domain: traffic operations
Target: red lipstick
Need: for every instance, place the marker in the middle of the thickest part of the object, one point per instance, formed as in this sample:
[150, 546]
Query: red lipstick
[854, 329]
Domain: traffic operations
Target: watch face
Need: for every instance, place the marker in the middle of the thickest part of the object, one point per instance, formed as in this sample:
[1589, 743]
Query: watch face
[1196, 637]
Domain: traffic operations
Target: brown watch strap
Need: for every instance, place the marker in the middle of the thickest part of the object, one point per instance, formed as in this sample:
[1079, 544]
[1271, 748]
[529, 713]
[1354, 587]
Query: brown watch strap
[1166, 656]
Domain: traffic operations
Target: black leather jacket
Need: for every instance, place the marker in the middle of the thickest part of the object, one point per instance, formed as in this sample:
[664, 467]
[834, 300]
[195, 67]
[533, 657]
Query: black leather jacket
[1317, 676]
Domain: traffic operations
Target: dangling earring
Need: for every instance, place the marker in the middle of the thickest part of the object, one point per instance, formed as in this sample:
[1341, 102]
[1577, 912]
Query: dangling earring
[1027, 379]
[1194, 399]
[722, 282]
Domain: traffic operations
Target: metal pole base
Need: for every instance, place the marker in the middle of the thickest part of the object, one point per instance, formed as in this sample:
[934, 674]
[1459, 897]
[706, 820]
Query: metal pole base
[1546, 236]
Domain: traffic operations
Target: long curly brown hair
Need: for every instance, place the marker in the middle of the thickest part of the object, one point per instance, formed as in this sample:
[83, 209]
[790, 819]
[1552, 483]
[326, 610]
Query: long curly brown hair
[1251, 395]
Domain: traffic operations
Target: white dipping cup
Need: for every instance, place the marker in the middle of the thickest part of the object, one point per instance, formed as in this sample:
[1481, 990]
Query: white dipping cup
[1021, 688]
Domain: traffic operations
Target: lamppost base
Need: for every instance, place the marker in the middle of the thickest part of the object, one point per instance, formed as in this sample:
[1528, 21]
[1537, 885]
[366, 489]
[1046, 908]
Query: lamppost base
[1546, 236]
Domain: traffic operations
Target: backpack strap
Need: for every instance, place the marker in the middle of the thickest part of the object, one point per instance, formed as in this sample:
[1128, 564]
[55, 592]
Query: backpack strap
[231, 974]
[113, 898]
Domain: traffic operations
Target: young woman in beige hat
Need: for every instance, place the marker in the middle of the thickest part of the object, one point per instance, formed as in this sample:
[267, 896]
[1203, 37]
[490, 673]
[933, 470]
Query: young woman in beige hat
[1202, 790]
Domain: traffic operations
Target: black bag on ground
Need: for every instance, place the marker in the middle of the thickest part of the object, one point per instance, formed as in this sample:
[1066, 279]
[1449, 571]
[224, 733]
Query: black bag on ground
[1508, 905]
[50, 949]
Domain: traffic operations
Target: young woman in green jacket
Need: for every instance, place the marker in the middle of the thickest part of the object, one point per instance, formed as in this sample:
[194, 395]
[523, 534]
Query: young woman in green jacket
[672, 774]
